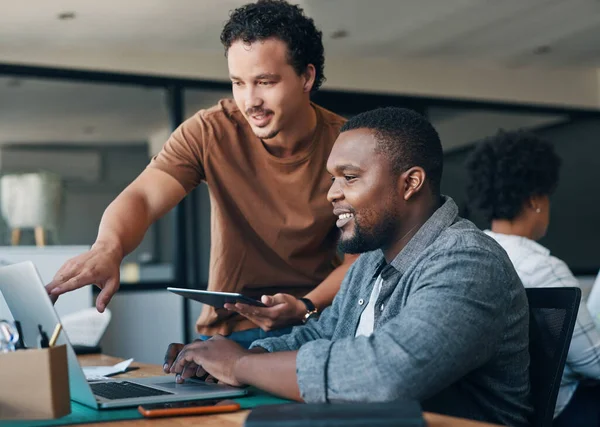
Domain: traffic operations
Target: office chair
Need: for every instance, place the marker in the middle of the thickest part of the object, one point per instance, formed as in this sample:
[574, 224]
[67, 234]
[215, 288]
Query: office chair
[552, 315]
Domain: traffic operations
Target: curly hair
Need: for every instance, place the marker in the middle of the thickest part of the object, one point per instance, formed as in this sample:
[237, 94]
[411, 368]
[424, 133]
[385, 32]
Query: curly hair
[278, 19]
[406, 138]
[507, 169]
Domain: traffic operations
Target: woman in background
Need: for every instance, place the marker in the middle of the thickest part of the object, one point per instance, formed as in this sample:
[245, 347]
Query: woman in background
[512, 176]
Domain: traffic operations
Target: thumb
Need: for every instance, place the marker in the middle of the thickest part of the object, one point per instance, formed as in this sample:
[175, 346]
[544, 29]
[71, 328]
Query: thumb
[279, 299]
[268, 300]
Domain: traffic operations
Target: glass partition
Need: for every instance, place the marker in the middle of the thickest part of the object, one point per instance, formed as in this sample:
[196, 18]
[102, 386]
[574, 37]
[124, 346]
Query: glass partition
[67, 149]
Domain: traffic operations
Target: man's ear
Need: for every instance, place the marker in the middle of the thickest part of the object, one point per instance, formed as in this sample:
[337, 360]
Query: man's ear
[412, 181]
[309, 78]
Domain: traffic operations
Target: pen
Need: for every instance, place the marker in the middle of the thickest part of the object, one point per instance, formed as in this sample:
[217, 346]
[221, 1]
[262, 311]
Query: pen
[20, 345]
[43, 338]
[54, 336]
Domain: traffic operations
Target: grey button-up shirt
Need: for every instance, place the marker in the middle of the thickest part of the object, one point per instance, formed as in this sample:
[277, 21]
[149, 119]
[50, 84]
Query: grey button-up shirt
[452, 333]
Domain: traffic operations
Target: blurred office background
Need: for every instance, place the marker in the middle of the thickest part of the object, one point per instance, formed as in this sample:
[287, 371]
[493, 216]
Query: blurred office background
[89, 91]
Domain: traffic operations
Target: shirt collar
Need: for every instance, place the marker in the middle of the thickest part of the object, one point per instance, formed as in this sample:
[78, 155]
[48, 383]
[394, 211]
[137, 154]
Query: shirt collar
[441, 219]
[515, 240]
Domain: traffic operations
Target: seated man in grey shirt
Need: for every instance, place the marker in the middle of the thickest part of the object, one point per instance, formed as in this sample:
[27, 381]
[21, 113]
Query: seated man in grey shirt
[432, 310]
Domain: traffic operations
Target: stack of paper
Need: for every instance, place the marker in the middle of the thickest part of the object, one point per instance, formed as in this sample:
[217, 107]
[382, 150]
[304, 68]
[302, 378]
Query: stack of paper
[86, 327]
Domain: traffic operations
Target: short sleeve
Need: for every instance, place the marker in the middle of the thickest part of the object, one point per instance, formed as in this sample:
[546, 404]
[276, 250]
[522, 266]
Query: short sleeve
[183, 153]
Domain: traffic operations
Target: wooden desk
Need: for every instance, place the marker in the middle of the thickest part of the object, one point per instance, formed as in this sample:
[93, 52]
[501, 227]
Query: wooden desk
[235, 419]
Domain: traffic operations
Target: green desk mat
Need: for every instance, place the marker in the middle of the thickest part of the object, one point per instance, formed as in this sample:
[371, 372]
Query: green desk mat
[81, 414]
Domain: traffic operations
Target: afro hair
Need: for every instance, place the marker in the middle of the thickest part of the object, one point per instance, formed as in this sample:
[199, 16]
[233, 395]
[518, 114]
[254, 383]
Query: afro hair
[507, 169]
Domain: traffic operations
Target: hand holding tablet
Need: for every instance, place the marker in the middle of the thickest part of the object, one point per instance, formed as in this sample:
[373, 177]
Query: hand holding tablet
[215, 299]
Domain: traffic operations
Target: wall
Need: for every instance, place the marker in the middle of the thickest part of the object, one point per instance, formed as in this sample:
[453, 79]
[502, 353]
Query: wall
[572, 87]
[574, 232]
[85, 201]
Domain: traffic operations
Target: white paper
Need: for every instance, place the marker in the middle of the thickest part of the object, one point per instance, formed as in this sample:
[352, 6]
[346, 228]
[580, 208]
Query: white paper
[95, 373]
[86, 327]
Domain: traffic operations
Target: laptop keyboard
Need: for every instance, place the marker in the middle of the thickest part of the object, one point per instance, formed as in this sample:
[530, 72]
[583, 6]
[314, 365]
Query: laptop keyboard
[124, 390]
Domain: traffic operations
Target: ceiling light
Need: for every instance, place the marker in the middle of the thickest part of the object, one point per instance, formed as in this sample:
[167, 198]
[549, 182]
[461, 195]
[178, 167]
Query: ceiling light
[339, 34]
[66, 16]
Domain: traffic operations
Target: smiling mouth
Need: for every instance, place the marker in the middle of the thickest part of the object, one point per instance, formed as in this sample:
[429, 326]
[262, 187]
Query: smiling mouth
[344, 219]
[261, 119]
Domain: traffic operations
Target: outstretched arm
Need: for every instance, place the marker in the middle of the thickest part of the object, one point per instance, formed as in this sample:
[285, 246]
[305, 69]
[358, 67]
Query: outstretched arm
[122, 228]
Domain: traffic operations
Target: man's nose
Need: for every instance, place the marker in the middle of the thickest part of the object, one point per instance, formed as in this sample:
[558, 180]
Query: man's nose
[335, 192]
[253, 99]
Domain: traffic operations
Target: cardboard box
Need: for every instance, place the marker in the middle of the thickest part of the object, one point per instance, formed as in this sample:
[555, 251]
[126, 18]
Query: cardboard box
[34, 384]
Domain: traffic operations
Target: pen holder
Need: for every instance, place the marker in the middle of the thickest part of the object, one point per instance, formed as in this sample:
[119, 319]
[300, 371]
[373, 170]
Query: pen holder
[34, 384]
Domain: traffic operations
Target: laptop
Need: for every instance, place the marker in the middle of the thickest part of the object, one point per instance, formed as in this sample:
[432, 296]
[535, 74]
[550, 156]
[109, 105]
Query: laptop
[27, 299]
[47, 260]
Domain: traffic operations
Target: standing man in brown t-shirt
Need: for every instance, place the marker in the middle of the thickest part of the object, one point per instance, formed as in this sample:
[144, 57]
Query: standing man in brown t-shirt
[263, 157]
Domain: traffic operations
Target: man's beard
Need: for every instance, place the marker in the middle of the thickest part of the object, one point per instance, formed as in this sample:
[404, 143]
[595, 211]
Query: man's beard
[380, 236]
[254, 111]
[269, 135]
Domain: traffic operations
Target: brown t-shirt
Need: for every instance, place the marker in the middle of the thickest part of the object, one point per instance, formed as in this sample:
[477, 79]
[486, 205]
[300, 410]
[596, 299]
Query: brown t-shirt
[272, 228]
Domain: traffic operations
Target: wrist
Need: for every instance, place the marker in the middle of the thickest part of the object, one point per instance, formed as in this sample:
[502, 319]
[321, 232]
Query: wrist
[241, 368]
[310, 310]
[113, 248]
[301, 310]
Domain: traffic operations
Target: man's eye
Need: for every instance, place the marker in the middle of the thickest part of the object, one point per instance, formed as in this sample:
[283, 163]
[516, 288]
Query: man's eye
[236, 83]
[349, 177]
[264, 83]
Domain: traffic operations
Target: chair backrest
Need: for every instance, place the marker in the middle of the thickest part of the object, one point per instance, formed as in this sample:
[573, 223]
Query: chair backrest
[552, 315]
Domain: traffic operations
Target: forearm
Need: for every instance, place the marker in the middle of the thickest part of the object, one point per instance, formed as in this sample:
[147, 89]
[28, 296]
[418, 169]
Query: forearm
[127, 219]
[274, 373]
[323, 295]
[124, 224]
